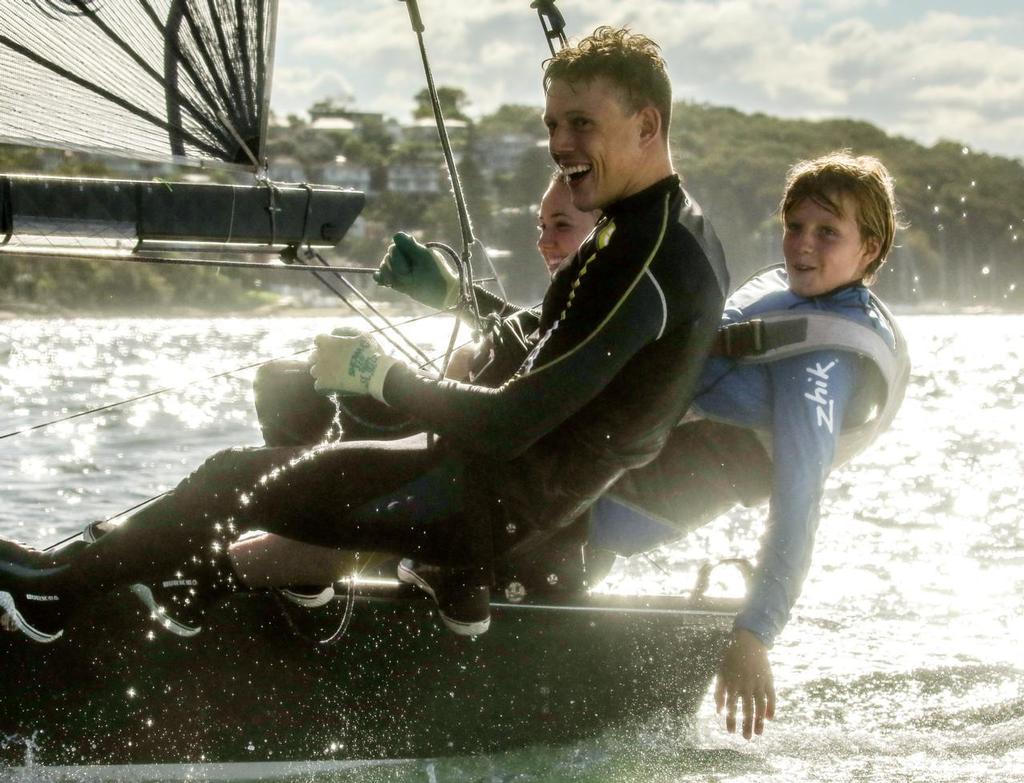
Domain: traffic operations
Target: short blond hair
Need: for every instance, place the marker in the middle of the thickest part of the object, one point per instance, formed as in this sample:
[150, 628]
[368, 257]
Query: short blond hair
[863, 178]
[630, 61]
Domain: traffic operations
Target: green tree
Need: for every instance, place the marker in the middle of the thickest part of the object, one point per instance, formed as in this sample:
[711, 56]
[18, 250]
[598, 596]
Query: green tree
[453, 102]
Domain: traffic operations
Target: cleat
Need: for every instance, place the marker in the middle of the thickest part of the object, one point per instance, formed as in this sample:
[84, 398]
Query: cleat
[463, 603]
[307, 596]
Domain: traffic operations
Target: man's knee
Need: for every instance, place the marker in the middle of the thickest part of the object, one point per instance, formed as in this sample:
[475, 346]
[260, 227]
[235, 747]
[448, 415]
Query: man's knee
[281, 376]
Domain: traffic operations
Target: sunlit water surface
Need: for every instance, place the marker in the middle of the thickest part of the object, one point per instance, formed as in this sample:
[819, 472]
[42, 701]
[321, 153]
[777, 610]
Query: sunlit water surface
[904, 659]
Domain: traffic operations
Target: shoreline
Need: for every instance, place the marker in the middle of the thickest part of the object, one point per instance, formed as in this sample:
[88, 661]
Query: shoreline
[32, 312]
[392, 310]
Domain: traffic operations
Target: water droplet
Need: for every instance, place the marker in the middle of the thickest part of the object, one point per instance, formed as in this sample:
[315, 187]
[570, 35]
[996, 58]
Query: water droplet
[985, 270]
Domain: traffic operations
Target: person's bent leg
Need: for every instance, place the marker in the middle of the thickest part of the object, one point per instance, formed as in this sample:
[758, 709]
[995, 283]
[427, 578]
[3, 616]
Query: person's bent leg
[361, 495]
[267, 561]
[290, 411]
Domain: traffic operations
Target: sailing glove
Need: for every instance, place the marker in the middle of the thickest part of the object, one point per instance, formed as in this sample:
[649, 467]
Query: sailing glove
[350, 365]
[418, 272]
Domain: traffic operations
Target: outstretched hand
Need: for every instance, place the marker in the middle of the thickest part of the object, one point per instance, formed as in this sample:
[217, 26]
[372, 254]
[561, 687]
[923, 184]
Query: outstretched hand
[418, 272]
[745, 677]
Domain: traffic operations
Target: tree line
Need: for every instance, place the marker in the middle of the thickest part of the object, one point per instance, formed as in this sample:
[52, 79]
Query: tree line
[963, 211]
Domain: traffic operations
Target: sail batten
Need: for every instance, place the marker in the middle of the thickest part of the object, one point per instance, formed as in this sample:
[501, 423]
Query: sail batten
[151, 79]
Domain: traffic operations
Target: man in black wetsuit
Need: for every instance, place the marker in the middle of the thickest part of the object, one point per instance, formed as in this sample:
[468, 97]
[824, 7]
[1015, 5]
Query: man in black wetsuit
[608, 371]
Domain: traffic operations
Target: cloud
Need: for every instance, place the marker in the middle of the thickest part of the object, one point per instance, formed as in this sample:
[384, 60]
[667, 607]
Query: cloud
[796, 58]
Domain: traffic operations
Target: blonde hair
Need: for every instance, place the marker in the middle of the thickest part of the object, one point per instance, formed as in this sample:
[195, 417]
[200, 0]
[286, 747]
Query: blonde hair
[865, 179]
[631, 61]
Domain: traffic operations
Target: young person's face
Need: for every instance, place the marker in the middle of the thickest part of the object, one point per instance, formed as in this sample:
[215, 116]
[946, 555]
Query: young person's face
[595, 140]
[562, 227]
[824, 251]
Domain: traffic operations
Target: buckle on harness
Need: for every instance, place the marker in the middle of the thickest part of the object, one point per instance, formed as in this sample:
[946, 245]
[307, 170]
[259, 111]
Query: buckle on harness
[742, 339]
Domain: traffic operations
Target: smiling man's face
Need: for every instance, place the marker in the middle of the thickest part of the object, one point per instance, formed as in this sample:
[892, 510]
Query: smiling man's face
[595, 140]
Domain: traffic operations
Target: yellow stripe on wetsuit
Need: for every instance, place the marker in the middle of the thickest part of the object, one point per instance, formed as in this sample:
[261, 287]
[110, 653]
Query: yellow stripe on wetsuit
[602, 239]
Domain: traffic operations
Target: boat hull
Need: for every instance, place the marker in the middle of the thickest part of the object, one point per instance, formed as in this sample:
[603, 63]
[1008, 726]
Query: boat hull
[396, 684]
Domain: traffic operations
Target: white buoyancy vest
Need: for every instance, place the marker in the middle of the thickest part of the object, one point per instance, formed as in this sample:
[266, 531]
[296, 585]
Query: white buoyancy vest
[775, 335]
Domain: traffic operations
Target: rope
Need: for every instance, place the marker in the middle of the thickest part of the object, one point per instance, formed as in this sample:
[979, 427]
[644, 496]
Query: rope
[372, 308]
[223, 117]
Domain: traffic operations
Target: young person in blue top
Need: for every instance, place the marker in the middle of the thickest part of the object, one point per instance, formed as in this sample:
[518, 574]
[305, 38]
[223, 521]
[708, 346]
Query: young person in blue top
[809, 368]
[610, 367]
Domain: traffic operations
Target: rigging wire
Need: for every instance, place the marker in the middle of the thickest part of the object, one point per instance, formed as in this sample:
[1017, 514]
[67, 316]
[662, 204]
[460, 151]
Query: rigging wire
[153, 393]
[112, 517]
[465, 264]
[189, 384]
[201, 262]
[147, 501]
[401, 346]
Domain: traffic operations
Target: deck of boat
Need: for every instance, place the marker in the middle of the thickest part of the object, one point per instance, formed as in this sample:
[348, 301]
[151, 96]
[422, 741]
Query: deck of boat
[396, 685]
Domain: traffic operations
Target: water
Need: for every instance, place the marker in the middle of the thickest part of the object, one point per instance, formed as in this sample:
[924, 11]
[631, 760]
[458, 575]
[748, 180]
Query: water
[903, 661]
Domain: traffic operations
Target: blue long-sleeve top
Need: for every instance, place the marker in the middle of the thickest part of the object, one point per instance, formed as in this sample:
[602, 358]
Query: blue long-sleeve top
[800, 402]
[796, 406]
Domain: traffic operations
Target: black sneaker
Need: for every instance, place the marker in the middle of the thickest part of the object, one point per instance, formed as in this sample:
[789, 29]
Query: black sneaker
[307, 596]
[180, 602]
[463, 603]
[40, 616]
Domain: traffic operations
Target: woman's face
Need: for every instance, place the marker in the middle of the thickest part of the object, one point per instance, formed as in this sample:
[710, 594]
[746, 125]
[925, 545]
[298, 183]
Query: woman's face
[562, 226]
[825, 251]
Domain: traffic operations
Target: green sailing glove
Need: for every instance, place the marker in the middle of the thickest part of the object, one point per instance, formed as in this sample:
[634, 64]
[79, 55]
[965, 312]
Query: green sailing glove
[418, 272]
[350, 365]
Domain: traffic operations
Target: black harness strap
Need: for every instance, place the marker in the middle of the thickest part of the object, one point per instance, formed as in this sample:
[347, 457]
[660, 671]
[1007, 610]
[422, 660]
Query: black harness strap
[755, 337]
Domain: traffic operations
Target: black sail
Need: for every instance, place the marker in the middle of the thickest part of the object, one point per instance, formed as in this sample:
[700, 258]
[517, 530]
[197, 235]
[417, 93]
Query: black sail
[151, 79]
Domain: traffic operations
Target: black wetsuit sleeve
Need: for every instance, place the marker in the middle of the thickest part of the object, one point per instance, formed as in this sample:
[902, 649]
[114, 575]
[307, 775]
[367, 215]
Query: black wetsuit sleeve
[491, 304]
[510, 418]
[629, 295]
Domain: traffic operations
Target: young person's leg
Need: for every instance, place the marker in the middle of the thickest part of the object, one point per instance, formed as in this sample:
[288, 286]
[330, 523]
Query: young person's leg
[705, 469]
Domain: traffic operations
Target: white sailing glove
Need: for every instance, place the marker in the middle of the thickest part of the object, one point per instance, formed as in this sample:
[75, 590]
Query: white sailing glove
[350, 365]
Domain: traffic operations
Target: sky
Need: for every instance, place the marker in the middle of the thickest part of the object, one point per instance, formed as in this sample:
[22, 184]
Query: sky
[926, 70]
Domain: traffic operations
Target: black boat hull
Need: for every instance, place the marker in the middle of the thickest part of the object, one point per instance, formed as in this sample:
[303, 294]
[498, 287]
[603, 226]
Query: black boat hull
[396, 685]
